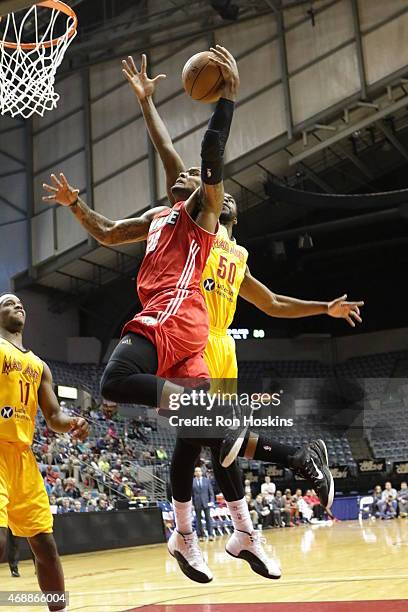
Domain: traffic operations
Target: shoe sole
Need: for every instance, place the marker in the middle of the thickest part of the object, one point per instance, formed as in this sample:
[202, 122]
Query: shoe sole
[189, 571]
[331, 488]
[256, 566]
[234, 450]
[232, 454]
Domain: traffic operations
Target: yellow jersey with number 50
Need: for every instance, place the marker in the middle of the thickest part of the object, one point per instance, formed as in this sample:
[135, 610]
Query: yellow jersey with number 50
[222, 278]
[20, 377]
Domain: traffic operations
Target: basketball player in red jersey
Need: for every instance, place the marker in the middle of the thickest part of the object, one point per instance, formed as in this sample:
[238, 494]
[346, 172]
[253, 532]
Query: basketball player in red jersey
[167, 339]
[311, 461]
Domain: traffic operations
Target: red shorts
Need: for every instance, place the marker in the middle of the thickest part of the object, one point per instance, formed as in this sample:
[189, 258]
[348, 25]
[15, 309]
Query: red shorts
[177, 325]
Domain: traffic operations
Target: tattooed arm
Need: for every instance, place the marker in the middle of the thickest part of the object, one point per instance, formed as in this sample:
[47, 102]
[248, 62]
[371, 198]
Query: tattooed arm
[104, 230]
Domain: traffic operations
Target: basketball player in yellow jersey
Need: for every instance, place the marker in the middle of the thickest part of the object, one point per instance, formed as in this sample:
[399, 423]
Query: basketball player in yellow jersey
[221, 282]
[25, 383]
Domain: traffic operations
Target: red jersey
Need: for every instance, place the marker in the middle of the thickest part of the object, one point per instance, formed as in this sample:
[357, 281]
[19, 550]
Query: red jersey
[174, 315]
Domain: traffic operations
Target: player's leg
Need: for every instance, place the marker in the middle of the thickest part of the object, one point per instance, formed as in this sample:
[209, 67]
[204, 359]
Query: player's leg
[130, 375]
[183, 543]
[245, 543]
[50, 574]
[30, 517]
[5, 466]
[13, 554]
[3, 542]
[311, 461]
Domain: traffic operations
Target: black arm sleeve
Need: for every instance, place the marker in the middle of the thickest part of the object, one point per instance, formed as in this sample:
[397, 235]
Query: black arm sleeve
[214, 141]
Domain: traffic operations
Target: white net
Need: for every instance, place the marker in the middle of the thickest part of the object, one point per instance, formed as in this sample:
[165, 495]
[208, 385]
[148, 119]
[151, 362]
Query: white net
[27, 70]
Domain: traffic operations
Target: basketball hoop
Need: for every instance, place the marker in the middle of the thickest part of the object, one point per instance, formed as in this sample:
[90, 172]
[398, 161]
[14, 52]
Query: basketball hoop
[28, 69]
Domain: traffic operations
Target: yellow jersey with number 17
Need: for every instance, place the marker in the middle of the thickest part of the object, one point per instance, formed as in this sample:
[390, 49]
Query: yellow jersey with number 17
[221, 280]
[20, 377]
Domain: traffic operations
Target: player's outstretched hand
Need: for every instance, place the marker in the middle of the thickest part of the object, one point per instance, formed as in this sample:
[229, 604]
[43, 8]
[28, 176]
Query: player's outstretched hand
[61, 192]
[228, 66]
[79, 428]
[141, 84]
[340, 309]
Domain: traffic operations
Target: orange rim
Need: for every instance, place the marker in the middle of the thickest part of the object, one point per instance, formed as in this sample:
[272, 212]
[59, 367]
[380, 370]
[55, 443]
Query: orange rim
[51, 4]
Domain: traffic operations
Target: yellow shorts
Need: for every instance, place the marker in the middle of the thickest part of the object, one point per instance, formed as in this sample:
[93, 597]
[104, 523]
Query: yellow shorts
[221, 359]
[24, 505]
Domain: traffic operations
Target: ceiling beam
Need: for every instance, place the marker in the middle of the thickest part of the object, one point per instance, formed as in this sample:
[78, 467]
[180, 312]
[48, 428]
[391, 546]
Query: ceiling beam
[381, 216]
[348, 131]
[106, 268]
[390, 136]
[79, 279]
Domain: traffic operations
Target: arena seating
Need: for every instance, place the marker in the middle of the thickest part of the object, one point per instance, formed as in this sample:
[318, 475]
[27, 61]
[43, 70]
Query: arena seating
[313, 379]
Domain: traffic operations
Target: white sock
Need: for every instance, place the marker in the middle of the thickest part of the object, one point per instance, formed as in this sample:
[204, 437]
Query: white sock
[241, 519]
[183, 516]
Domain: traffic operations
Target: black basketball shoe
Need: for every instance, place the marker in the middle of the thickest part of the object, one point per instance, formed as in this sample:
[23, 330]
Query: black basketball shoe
[234, 437]
[312, 462]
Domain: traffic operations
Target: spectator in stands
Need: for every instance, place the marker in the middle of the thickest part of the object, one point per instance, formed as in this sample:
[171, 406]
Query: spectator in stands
[402, 499]
[102, 505]
[264, 513]
[203, 499]
[388, 508]
[268, 488]
[53, 504]
[149, 454]
[290, 507]
[70, 489]
[65, 506]
[304, 511]
[78, 507]
[48, 487]
[313, 502]
[58, 490]
[61, 458]
[377, 499]
[85, 497]
[388, 490]
[112, 431]
[125, 488]
[116, 462]
[161, 454]
[249, 488]
[103, 463]
[102, 443]
[51, 475]
[281, 514]
[109, 504]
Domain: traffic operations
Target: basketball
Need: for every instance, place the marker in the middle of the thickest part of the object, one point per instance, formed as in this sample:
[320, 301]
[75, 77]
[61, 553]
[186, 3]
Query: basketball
[202, 79]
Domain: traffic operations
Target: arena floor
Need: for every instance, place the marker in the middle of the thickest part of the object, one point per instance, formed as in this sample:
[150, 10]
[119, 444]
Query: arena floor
[323, 568]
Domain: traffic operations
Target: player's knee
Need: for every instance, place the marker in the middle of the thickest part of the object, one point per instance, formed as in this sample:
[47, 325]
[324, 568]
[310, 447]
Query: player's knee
[44, 548]
[108, 384]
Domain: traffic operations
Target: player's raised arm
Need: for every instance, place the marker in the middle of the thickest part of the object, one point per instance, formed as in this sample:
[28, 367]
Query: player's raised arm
[104, 230]
[283, 306]
[211, 194]
[144, 88]
[56, 420]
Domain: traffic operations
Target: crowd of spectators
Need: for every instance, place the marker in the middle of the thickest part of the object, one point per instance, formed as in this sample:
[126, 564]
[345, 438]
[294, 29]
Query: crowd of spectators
[93, 475]
[390, 503]
[274, 508]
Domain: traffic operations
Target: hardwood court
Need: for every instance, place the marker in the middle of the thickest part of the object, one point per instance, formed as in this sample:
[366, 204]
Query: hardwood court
[341, 563]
